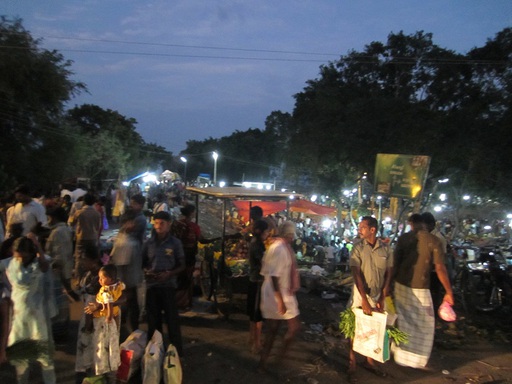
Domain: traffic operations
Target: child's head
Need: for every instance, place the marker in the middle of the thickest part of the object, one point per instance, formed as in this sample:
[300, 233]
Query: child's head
[90, 259]
[24, 249]
[107, 275]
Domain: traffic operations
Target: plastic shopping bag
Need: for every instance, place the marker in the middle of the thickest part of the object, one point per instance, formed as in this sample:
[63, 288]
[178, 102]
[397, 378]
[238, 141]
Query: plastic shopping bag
[132, 350]
[172, 371]
[371, 338]
[153, 360]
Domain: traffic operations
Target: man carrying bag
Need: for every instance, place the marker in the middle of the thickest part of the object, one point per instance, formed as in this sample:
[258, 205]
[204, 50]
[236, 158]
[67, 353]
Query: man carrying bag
[371, 263]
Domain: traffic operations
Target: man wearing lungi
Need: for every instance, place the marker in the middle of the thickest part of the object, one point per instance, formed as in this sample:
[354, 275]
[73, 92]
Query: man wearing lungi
[415, 253]
[371, 263]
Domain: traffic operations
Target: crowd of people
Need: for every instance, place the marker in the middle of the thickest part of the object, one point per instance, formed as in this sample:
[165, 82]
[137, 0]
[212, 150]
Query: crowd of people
[61, 238]
[58, 238]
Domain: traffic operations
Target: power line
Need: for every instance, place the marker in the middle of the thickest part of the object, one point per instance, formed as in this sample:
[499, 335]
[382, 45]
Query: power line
[192, 46]
[174, 55]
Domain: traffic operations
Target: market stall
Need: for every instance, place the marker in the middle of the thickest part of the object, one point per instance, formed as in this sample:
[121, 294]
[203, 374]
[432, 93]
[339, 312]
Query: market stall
[224, 263]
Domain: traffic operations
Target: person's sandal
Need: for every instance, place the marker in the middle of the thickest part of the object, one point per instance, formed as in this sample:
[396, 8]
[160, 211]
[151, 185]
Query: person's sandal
[352, 377]
[376, 371]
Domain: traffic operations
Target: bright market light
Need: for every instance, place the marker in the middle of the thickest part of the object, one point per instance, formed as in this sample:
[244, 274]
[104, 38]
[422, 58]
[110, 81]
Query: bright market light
[442, 181]
[126, 183]
[442, 196]
[438, 208]
[149, 178]
[509, 216]
[466, 197]
[313, 198]
[222, 184]
[326, 223]
[487, 227]
[346, 192]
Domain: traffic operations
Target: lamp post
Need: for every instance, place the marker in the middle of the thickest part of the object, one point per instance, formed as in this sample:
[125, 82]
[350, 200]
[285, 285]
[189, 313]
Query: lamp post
[215, 156]
[360, 188]
[379, 200]
[184, 160]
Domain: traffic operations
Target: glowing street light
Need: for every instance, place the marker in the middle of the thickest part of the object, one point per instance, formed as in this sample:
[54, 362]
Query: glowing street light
[184, 159]
[215, 156]
[360, 188]
[379, 200]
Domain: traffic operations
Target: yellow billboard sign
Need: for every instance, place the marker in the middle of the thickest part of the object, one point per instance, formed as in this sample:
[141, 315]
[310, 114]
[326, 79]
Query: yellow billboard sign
[401, 175]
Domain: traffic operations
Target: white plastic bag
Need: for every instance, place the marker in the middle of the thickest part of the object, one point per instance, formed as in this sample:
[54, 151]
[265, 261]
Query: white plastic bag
[153, 360]
[371, 337]
[172, 371]
[132, 350]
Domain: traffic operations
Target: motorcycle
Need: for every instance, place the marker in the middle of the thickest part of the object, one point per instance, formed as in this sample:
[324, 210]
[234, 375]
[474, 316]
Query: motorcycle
[489, 285]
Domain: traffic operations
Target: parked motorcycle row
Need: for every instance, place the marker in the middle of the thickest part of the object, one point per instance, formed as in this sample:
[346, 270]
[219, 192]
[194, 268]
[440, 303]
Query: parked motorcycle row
[482, 275]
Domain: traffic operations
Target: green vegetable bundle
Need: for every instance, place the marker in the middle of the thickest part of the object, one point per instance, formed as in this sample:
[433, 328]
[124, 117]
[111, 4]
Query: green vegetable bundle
[26, 350]
[348, 323]
[397, 335]
[348, 328]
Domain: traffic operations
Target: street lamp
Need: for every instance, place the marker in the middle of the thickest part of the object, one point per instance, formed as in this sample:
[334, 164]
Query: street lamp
[379, 200]
[360, 188]
[184, 159]
[215, 156]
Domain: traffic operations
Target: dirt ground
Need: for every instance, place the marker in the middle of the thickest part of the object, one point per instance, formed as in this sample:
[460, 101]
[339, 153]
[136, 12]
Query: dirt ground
[465, 352]
[475, 349]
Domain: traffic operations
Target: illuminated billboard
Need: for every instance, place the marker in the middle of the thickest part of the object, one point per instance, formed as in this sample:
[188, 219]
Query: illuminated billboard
[401, 175]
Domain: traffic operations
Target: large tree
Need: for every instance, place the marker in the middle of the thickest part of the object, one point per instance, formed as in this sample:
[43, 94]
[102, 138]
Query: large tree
[110, 147]
[407, 95]
[35, 84]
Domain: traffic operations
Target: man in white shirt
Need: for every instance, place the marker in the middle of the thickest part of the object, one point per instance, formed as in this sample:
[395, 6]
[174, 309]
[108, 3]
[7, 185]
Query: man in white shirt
[26, 211]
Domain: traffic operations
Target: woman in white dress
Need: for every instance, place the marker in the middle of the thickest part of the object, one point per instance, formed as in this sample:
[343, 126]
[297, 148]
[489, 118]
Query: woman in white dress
[30, 276]
[281, 282]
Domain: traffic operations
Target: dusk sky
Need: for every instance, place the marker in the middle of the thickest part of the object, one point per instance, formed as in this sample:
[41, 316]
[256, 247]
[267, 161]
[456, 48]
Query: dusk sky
[190, 70]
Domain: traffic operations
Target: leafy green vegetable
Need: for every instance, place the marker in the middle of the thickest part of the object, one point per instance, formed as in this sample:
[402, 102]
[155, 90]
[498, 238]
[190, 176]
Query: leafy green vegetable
[348, 323]
[397, 335]
[27, 350]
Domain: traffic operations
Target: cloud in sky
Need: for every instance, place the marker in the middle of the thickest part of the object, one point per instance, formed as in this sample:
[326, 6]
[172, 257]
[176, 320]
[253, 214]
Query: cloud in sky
[190, 69]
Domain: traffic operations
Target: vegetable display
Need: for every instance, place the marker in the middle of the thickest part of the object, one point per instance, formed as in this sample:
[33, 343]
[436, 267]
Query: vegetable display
[26, 350]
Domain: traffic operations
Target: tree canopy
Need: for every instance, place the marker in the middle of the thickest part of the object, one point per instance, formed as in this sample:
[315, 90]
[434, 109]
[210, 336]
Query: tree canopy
[406, 95]
[42, 143]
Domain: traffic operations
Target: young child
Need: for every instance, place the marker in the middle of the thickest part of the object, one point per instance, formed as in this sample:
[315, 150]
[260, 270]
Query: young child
[106, 319]
[88, 287]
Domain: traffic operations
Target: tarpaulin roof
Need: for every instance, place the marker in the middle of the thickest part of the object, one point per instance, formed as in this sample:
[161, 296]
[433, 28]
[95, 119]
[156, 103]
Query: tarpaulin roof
[311, 208]
[270, 207]
[169, 175]
[241, 193]
[270, 201]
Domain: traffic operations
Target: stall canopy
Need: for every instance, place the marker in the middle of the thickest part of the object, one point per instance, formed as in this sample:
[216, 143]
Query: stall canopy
[169, 176]
[270, 207]
[270, 201]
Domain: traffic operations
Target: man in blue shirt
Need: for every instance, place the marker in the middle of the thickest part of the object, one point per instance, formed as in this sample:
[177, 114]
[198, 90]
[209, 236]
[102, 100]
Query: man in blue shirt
[163, 259]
